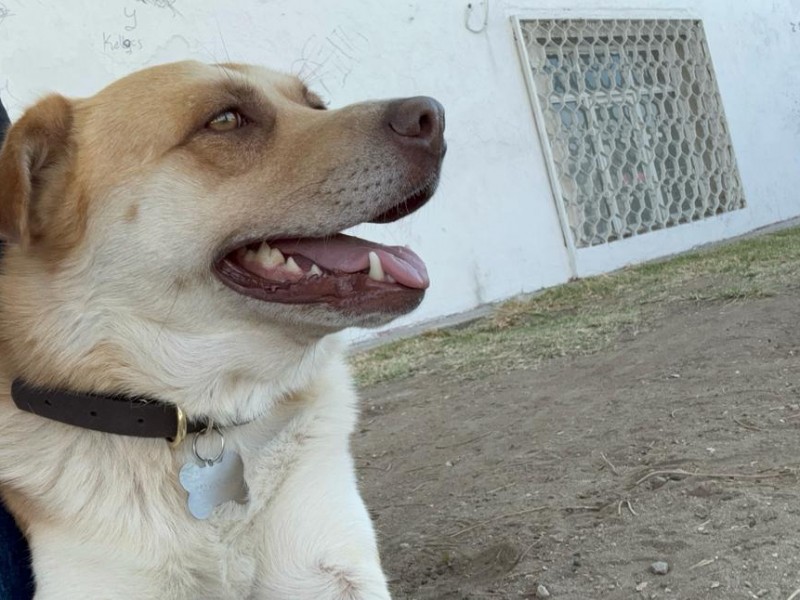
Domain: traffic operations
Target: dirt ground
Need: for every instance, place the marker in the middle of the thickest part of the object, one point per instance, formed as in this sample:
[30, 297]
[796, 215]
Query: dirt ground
[680, 442]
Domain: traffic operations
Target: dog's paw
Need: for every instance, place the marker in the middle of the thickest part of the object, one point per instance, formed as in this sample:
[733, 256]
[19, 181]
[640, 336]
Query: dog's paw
[346, 583]
[328, 581]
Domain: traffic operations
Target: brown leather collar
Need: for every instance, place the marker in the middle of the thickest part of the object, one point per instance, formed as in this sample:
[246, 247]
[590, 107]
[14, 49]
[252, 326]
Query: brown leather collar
[123, 415]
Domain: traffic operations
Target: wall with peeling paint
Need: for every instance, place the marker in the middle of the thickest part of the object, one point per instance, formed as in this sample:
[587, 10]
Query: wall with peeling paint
[493, 229]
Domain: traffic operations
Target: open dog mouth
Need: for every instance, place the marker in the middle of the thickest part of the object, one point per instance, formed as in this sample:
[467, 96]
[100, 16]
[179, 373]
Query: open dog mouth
[349, 274]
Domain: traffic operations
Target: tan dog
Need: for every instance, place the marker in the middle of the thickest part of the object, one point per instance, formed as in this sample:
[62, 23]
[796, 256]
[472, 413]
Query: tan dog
[136, 266]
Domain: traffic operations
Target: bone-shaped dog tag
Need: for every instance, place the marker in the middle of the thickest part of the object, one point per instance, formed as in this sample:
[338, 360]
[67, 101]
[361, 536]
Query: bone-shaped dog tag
[213, 483]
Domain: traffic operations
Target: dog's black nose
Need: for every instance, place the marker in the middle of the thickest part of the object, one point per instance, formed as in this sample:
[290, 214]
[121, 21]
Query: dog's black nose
[417, 122]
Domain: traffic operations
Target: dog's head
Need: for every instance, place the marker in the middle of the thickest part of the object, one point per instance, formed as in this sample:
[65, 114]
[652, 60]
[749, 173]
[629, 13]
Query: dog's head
[210, 199]
[234, 173]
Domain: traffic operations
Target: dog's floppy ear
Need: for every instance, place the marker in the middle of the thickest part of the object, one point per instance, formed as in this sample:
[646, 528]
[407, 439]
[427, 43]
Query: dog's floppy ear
[33, 145]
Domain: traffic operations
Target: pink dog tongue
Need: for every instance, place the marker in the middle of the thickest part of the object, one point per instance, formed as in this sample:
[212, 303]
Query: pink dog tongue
[348, 254]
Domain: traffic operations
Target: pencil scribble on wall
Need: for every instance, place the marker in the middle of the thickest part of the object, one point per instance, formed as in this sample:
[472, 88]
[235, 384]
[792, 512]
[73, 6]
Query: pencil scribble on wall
[134, 22]
[168, 4]
[126, 43]
[329, 60]
[5, 13]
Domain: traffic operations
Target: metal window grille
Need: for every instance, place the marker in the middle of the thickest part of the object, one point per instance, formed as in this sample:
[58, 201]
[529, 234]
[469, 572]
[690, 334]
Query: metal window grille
[635, 124]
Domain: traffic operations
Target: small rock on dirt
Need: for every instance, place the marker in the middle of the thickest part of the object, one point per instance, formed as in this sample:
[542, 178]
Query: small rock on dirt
[660, 567]
[542, 592]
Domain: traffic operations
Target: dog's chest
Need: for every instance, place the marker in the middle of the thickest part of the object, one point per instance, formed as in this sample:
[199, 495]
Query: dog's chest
[226, 547]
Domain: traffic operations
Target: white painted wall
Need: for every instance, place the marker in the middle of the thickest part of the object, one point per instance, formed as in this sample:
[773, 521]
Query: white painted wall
[493, 230]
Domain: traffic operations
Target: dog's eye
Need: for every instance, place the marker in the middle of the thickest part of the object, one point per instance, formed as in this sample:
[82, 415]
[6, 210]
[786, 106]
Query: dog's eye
[227, 121]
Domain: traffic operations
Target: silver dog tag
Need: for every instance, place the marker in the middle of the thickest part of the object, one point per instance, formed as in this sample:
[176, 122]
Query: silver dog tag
[210, 485]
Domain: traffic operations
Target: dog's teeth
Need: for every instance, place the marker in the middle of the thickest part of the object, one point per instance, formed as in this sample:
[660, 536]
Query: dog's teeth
[272, 258]
[375, 267]
[292, 266]
[315, 270]
[276, 256]
[263, 253]
[250, 256]
[390, 279]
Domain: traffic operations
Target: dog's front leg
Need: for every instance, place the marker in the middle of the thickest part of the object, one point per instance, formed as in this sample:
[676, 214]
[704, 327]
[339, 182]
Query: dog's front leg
[320, 543]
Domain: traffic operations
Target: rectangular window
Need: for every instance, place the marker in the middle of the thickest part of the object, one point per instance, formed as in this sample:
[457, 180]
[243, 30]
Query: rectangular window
[635, 124]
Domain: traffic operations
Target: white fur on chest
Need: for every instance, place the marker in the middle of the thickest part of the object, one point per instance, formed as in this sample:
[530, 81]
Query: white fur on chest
[117, 519]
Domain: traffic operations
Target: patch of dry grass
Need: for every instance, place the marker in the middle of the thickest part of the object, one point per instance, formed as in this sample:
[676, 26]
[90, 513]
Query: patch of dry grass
[585, 316]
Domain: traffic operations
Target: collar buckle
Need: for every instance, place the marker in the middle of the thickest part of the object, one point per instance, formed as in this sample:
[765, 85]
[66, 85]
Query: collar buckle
[180, 429]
